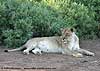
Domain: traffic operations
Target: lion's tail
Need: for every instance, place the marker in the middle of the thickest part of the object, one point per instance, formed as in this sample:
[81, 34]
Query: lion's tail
[16, 49]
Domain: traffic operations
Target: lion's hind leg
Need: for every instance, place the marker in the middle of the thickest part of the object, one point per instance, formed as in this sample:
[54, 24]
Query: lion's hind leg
[29, 48]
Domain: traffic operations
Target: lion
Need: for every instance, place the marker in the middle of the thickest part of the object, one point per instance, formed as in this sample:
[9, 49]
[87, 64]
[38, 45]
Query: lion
[67, 43]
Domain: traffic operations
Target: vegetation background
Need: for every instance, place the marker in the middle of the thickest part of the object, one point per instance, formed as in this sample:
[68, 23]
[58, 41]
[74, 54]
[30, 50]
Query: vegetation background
[19, 19]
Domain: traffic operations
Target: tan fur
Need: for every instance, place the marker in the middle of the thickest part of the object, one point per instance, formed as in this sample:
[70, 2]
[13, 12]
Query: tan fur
[68, 44]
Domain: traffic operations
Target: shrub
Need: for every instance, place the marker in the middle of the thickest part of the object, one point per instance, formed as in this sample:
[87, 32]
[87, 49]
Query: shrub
[94, 9]
[77, 15]
[93, 6]
[20, 18]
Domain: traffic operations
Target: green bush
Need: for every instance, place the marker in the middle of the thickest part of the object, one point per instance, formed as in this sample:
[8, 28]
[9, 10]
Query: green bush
[93, 6]
[77, 15]
[20, 18]
[94, 9]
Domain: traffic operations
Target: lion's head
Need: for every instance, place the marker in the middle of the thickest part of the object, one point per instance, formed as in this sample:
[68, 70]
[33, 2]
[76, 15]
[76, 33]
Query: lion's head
[66, 32]
[66, 36]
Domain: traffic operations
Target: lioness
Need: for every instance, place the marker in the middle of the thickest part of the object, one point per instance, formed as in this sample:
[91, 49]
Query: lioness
[67, 43]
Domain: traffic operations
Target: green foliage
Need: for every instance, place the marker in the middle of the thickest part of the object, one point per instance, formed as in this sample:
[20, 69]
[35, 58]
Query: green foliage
[77, 15]
[93, 6]
[20, 18]
[94, 9]
[15, 23]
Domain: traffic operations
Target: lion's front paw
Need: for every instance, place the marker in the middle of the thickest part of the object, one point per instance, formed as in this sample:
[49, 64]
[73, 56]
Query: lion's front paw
[77, 55]
[26, 52]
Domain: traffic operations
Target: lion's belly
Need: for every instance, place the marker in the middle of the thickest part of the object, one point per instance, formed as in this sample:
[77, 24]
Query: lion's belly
[49, 46]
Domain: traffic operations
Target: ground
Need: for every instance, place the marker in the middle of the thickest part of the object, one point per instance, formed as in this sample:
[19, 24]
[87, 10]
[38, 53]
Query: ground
[17, 61]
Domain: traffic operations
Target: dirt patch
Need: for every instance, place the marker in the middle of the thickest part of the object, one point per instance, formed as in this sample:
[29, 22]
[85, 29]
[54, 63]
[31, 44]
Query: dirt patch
[16, 61]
